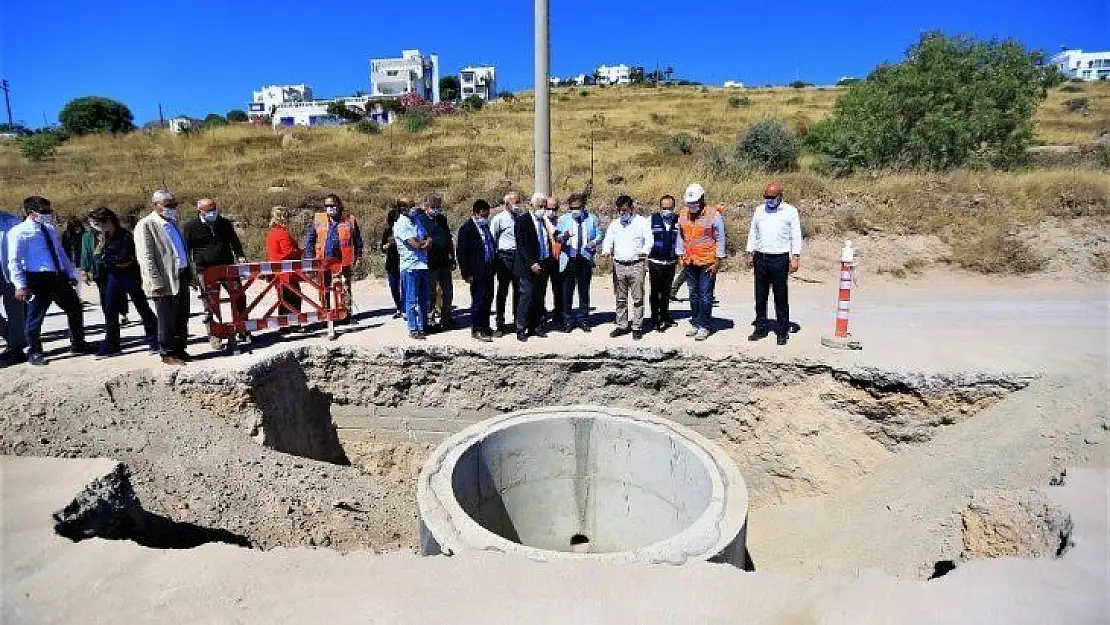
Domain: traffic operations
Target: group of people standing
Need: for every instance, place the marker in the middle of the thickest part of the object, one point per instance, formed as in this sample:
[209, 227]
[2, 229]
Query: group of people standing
[525, 250]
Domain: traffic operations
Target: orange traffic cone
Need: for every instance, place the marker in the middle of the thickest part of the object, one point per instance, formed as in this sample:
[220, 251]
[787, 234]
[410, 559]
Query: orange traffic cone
[841, 338]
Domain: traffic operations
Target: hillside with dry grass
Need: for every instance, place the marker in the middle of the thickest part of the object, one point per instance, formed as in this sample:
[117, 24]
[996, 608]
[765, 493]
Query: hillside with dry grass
[1050, 217]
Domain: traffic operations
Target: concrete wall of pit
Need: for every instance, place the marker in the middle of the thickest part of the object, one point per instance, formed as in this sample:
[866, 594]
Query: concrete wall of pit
[584, 482]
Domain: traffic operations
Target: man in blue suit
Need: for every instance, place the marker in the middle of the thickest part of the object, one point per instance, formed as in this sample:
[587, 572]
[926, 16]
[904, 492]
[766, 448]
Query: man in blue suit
[475, 253]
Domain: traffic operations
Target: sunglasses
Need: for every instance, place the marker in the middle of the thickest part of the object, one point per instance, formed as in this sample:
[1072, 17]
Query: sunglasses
[174, 205]
[770, 197]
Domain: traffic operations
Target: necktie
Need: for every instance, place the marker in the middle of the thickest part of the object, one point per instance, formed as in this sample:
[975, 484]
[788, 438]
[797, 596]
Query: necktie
[50, 247]
[578, 252]
[542, 233]
[487, 243]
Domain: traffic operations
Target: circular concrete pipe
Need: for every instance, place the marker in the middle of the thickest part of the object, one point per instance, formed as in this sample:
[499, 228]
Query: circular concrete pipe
[583, 482]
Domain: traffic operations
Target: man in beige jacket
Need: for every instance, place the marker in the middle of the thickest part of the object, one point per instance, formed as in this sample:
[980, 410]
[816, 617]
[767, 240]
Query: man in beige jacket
[164, 265]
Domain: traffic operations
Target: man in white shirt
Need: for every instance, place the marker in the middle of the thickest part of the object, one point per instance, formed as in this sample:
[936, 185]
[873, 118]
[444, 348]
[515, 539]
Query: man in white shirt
[14, 327]
[628, 239]
[503, 229]
[42, 274]
[774, 251]
[164, 266]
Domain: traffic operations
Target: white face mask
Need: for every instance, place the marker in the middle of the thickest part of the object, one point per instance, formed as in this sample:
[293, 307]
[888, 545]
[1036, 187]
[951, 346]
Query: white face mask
[169, 214]
[667, 212]
[46, 219]
[332, 211]
[210, 216]
[96, 226]
[540, 213]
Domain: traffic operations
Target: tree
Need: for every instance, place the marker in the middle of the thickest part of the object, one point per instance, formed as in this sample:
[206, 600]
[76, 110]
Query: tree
[953, 102]
[213, 120]
[474, 103]
[636, 75]
[449, 88]
[237, 115]
[96, 114]
[507, 96]
[769, 145]
[339, 109]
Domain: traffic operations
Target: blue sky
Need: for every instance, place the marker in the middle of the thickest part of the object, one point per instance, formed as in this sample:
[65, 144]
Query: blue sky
[207, 56]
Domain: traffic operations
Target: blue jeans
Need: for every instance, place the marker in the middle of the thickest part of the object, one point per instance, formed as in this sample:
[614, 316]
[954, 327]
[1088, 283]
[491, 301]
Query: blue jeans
[416, 298]
[700, 282]
[117, 288]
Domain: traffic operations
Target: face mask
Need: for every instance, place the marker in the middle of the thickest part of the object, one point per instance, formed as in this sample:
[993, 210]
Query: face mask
[694, 210]
[332, 210]
[169, 214]
[46, 219]
[667, 212]
[413, 212]
[550, 214]
[433, 211]
[480, 221]
[211, 216]
[626, 218]
[579, 214]
[773, 204]
[97, 226]
[540, 213]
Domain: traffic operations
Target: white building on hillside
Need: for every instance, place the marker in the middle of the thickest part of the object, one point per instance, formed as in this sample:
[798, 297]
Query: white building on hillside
[480, 81]
[315, 112]
[733, 84]
[413, 72]
[614, 75]
[1077, 64]
[178, 125]
[268, 97]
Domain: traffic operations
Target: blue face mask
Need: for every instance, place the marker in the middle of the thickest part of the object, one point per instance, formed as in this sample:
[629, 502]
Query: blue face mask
[773, 204]
[626, 219]
[579, 214]
[211, 216]
[480, 221]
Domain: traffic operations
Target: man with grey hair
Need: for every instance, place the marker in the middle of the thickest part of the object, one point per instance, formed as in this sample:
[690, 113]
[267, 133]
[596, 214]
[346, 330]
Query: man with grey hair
[503, 228]
[533, 266]
[164, 266]
[212, 241]
[441, 260]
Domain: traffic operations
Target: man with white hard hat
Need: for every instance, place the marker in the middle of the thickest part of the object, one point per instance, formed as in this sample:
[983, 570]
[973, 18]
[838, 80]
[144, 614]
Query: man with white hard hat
[701, 244]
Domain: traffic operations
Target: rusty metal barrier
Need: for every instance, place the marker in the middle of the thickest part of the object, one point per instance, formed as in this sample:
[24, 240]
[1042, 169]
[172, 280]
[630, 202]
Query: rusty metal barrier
[322, 278]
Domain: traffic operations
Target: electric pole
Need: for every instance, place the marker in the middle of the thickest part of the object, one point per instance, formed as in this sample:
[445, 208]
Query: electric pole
[542, 131]
[7, 99]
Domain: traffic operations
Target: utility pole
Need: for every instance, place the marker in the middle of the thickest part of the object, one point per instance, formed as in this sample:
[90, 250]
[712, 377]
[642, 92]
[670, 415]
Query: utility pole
[542, 130]
[7, 99]
[161, 117]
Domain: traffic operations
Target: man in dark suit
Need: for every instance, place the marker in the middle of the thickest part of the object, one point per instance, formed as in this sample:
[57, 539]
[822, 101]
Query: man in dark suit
[533, 256]
[475, 253]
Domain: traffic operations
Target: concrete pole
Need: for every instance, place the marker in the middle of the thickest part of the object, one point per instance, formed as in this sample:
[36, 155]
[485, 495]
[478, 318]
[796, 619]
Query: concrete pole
[542, 131]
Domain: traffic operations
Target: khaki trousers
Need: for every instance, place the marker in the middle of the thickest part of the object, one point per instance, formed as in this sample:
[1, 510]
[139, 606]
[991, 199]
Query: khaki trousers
[628, 280]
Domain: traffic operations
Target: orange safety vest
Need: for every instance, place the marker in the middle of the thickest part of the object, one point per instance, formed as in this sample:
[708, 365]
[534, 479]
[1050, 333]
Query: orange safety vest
[698, 239]
[346, 231]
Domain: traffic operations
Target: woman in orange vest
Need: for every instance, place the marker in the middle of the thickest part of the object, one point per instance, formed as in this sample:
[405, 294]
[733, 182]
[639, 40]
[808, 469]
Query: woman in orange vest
[280, 245]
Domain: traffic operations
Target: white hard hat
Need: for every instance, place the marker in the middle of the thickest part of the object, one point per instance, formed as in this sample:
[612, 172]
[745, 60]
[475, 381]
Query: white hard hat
[694, 192]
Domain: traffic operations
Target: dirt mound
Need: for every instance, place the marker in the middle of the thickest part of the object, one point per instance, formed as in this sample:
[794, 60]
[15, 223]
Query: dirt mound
[1023, 524]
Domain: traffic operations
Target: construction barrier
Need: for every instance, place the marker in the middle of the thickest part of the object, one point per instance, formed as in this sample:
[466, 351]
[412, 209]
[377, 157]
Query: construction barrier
[319, 283]
[841, 338]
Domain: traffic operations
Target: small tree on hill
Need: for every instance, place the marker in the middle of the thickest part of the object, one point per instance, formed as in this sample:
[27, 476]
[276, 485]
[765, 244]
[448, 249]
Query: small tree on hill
[237, 115]
[769, 145]
[213, 120]
[954, 101]
[96, 114]
[449, 88]
[39, 146]
[474, 103]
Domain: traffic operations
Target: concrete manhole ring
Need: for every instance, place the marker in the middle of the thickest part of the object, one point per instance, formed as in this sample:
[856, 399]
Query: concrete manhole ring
[583, 482]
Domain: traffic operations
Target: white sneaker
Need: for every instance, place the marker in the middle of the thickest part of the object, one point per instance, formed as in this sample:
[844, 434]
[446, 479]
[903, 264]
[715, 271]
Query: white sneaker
[693, 331]
[701, 334]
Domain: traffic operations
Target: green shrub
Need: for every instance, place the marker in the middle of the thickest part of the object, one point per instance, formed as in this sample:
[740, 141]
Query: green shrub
[735, 102]
[796, 100]
[656, 118]
[800, 84]
[474, 103]
[682, 144]
[237, 115]
[952, 102]
[367, 127]
[583, 92]
[417, 120]
[1070, 88]
[769, 145]
[39, 146]
[703, 90]
[507, 96]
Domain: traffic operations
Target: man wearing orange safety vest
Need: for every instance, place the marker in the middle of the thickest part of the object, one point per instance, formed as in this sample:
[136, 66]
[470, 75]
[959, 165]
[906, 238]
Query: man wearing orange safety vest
[335, 235]
[701, 244]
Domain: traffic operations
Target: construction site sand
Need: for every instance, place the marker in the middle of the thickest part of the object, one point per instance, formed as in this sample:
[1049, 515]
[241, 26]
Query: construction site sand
[847, 503]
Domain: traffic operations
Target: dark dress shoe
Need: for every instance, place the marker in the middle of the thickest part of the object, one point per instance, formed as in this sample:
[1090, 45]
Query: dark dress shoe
[637, 335]
[12, 357]
[36, 359]
[521, 336]
[82, 350]
[619, 332]
[182, 356]
[418, 335]
[481, 336]
[757, 335]
[781, 339]
[585, 327]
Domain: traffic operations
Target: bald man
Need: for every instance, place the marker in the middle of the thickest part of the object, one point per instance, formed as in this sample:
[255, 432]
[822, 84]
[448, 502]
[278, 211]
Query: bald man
[211, 241]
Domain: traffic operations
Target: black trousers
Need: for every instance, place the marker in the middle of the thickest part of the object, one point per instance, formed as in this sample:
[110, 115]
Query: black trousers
[173, 318]
[558, 314]
[533, 288]
[506, 282]
[49, 287]
[481, 300]
[659, 295]
[771, 273]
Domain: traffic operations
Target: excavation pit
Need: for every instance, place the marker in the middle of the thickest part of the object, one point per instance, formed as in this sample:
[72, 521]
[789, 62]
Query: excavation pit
[583, 482]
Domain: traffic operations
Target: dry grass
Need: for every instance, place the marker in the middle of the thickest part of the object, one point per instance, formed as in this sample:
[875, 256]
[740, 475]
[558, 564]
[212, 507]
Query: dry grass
[483, 154]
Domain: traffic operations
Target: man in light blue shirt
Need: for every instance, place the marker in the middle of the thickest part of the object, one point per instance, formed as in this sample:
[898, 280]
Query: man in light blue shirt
[581, 235]
[42, 274]
[13, 326]
[413, 242]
